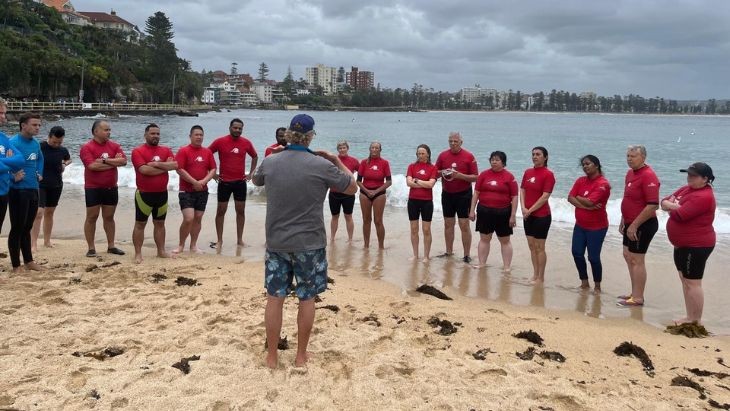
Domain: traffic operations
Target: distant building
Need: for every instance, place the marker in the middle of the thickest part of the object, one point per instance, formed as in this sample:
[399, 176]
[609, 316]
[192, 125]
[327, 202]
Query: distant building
[222, 93]
[477, 95]
[263, 92]
[110, 21]
[322, 76]
[68, 12]
[360, 80]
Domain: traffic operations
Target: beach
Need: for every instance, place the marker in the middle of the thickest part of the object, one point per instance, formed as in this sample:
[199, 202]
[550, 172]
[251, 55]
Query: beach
[372, 343]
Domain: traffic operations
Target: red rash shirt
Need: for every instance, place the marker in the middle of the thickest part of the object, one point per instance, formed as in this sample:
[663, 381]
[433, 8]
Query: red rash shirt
[641, 189]
[597, 191]
[496, 189]
[197, 161]
[351, 163]
[374, 172]
[463, 162]
[423, 172]
[144, 154]
[535, 182]
[269, 149]
[89, 153]
[232, 156]
[691, 224]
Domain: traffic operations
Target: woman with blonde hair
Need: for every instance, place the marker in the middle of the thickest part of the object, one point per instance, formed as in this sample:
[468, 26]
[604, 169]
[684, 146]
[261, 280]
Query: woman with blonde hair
[373, 178]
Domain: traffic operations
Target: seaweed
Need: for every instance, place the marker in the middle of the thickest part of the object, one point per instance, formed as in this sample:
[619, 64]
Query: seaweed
[552, 356]
[715, 404]
[682, 381]
[705, 373]
[528, 355]
[186, 281]
[332, 308]
[372, 318]
[184, 363]
[530, 336]
[689, 330]
[427, 289]
[627, 349]
[282, 345]
[482, 354]
[447, 328]
[100, 355]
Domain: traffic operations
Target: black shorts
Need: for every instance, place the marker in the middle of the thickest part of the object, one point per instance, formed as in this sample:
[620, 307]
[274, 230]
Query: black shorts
[146, 204]
[101, 196]
[490, 220]
[237, 188]
[454, 204]
[645, 233]
[49, 196]
[424, 208]
[378, 194]
[690, 261]
[537, 227]
[345, 201]
[194, 199]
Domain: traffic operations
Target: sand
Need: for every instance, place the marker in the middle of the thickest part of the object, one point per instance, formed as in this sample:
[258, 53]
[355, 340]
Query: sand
[378, 350]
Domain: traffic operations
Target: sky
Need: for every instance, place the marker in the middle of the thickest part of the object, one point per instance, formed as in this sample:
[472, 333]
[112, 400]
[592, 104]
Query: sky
[678, 49]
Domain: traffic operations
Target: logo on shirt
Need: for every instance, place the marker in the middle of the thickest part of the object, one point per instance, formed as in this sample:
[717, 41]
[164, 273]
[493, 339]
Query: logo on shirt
[199, 159]
[104, 155]
[422, 172]
[156, 158]
[453, 165]
[235, 150]
[2, 150]
[375, 168]
[493, 183]
[532, 179]
[32, 157]
[628, 185]
[651, 185]
[585, 194]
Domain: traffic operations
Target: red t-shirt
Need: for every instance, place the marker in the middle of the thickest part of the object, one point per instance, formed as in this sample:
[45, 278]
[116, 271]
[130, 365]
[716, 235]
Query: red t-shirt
[496, 189]
[641, 188]
[269, 149]
[691, 224]
[535, 182]
[89, 153]
[232, 156]
[597, 191]
[463, 162]
[374, 172]
[423, 172]
[351, 163]
[197, 161]
[144, 154]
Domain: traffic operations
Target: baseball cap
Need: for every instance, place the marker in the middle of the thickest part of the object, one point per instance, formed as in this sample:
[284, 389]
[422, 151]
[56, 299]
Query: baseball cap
[302, 123]
[700, 169]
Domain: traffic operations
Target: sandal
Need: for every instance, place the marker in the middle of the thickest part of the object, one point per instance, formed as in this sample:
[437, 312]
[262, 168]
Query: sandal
[115, 250]
[444, 255]
[91, 253]
[624, 297]
[630, 303]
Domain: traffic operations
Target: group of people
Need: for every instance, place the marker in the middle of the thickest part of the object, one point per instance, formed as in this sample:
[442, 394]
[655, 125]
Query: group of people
[298, 179]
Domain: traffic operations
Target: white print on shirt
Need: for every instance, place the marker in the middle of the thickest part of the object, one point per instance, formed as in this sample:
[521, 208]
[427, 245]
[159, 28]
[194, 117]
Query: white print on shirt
[235, 150]
[374, 168]
[493, 183]
[532, 179]
[199, 159]
[104, 155]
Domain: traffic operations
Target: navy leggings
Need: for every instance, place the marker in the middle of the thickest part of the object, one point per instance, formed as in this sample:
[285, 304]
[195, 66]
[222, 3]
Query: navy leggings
[23, 206]
[593, 241]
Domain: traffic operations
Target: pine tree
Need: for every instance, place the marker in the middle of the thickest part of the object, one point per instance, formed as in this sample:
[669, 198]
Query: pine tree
[263, 72]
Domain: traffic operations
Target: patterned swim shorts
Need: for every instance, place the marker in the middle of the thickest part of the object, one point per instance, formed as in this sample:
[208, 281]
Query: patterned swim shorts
[308, 267]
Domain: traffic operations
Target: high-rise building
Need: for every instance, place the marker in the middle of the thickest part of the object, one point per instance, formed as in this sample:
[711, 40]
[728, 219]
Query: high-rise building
[360, 80]
[322, 76]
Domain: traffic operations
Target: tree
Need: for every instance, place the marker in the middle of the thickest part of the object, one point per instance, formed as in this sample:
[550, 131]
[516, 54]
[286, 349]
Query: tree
[288, 86]
[263, 72]
[161, 55]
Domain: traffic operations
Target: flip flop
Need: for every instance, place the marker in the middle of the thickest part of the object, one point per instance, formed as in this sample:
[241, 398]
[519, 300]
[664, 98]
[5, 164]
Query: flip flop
[213, 244]
[115, 251]
[444, 255]
[624, 297]
[91, 253]
[630, 303]
[467, 259]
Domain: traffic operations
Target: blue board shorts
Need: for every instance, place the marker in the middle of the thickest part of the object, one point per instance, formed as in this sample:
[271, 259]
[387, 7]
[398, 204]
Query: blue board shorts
[308, 267]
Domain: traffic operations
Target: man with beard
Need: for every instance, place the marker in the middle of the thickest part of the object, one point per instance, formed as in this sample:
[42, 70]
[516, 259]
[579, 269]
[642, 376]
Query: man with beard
[232, 178]
[152, 162]
[279, 145]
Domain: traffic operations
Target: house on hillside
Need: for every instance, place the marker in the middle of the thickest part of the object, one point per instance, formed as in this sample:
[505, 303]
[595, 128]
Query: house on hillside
[112, 21]
[68, 12]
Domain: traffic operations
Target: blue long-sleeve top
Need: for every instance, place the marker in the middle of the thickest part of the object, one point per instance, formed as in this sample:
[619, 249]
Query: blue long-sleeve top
[30, 149]
[11, 160]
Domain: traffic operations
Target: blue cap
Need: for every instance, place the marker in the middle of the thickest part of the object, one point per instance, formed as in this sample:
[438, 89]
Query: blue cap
[302, 123]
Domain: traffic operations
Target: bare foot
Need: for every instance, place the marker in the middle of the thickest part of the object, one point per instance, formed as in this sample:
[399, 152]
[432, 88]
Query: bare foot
[196, 250]
[178, 250]
[425, 259]
[684, 320]
[301, 360]
[33, 266]
[219, 247]
[33, 249]
[478, 266]
[18, 270]
[597, 290]
[507, 269]
[138, 258]
[165, 254]
[48, 245]
[272, 361]
[413, 258]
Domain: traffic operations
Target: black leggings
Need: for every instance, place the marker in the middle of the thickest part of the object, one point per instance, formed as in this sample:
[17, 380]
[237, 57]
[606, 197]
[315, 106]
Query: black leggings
[3, 209]
[23, 206]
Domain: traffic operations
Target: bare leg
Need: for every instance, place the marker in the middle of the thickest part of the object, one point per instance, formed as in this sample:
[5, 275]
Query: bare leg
[533, 257]
[483, 249]
[158, 233]
[637, 271]
[305, 321]
[350, 227]
[92, 214]
[48, 226]
[449, 223]
[506, 253]
[366, 206]
[334, 223]
[185, 228]
[138, 239]
[465, 236]
[240, 207]
[37, 223]
[107, 214]
[220, 217]
[272, 319]
[426, 227]
[378, 211]
[694, 299]
[195, 231]
[414, 239]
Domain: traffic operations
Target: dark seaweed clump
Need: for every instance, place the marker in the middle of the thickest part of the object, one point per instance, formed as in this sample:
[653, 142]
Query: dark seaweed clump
[552, 356]
[447, 328]
[682, 381]
[184, 363]
[157, 277]
[530, 336]
[689, 330]
[705, 373]
[100, 355]
[282, 345]
[627, 349]
[331, 307]
[427, 289]
[186, 281]
[482, 354]
[528, 355]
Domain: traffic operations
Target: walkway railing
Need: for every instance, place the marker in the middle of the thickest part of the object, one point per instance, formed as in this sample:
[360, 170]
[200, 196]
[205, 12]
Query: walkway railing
[45, 106]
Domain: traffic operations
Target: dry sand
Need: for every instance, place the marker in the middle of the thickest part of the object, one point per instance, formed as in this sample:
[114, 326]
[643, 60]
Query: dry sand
[377, 351]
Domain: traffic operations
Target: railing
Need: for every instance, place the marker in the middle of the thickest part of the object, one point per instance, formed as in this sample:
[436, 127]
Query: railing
[19, 106]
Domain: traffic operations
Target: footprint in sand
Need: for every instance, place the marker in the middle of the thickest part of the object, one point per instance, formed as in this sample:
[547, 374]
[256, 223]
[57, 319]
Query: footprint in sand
[76, 382]
[220, 406]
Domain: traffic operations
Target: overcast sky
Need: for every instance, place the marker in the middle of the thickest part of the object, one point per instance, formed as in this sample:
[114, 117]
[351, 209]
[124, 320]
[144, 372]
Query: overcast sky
[672, 49]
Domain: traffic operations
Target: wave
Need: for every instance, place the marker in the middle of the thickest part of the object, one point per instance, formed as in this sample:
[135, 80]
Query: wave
[397, 196]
